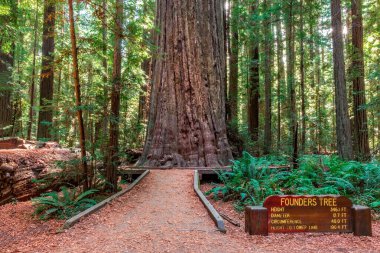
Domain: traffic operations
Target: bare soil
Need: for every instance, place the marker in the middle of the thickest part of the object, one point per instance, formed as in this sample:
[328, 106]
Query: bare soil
[161, 214]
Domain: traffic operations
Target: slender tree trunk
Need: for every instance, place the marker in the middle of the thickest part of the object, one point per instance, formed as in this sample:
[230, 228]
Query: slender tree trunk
[290, 57]
[32, 86]
[280, 77]
[113, 146]
[343, 130]
[143, 96]
[45, 117]
[254, 80]
[82, 136]
[358, 85]
[268, 79]
[103, 123]
[187, 117]
[6, 66]
[234, 64]
[6, 62]
[302, 74]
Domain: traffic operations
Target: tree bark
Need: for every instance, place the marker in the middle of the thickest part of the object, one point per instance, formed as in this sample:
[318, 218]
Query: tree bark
[6, 65]
[233, 64]
[82, 136]
[280, 77]
[254, 80]
[302, 81]
[45, 117]
[187, 117]
[358, 85]
[32, 86]
[290, 58]
[343, 129]
[268, 78]
[113, 146]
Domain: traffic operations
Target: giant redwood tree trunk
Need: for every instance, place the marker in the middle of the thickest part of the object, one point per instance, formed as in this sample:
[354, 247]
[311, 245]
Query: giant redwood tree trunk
[187, 116]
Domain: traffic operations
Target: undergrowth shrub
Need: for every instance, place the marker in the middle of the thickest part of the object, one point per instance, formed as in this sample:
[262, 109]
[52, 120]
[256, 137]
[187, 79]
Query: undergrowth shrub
[253, 179]
[62, 205]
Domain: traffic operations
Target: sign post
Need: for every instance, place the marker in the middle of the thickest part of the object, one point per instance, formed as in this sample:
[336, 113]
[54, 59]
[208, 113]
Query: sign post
[295, 214]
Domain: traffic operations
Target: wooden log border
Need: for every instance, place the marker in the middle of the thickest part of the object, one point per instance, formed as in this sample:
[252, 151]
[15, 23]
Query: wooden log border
[218, 220]
[228, 168]
[73, 220]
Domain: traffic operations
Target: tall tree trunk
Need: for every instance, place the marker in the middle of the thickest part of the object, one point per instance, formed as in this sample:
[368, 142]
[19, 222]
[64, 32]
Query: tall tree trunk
[302, 74]
[343, 130]
[280, 77]
[6, 65]
[82, 136]
[45, 117]
[358, 92]
[187, 117]
[254, 80]
[290, 58]
[32, 86]
[113, 146]
[143, 96]
[233, 64]
[268, 78]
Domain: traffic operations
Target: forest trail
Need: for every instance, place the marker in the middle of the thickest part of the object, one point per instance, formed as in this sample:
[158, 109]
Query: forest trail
[162, 214]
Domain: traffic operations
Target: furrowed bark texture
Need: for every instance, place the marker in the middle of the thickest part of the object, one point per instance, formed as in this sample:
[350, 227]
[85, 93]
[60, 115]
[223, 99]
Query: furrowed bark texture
[113, 146]
[5, 93]
[358, 85]
[343, 129]
[6, 65]
[234, 64]
[187, 117]
[45, 117]
[254, 79]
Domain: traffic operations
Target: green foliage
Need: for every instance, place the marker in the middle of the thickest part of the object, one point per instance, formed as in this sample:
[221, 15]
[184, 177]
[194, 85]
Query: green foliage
[62, 205]
[252, 179]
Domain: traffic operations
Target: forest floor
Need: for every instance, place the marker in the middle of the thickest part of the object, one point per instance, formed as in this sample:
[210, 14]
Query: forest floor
[161, 214]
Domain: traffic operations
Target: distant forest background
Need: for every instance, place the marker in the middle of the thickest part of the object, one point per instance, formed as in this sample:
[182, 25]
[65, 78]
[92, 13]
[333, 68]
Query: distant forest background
[282, 95]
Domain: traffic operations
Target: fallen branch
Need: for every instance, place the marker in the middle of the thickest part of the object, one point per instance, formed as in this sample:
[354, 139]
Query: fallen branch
[235, 223]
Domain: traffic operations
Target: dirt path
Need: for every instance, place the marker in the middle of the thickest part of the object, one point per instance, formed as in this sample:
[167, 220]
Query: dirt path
[163, 214]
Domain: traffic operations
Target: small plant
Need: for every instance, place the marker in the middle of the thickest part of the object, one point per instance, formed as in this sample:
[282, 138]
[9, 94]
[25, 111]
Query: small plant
[62, 205]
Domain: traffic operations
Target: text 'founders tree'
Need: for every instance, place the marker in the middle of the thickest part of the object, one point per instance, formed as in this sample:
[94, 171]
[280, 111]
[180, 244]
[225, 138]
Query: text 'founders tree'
[187, 117]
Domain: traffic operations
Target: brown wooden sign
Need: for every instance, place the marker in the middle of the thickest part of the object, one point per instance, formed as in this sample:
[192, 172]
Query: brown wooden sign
[328, 213]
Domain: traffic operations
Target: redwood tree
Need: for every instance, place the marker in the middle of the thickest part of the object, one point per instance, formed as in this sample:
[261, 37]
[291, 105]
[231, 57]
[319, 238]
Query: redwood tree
[343, 129]
[45, 118]
[254, 77]
[82, 136]
[6, 64]
[187, 117]
[360, 113]
[115, 100]
[234, 64]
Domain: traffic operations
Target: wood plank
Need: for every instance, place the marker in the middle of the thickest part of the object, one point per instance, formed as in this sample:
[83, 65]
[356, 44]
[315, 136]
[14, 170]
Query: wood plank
[173, 168]
[211, 210]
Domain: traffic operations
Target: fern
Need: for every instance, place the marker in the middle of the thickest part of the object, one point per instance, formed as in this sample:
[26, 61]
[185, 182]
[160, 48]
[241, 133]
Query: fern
[252, 180]
[64, 205]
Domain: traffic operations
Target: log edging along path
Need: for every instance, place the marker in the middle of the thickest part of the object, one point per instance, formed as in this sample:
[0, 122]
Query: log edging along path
[73, 220]
[211, 210]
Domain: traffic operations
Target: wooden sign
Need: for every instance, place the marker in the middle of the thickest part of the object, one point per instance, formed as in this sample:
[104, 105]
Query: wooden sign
[289, 214]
